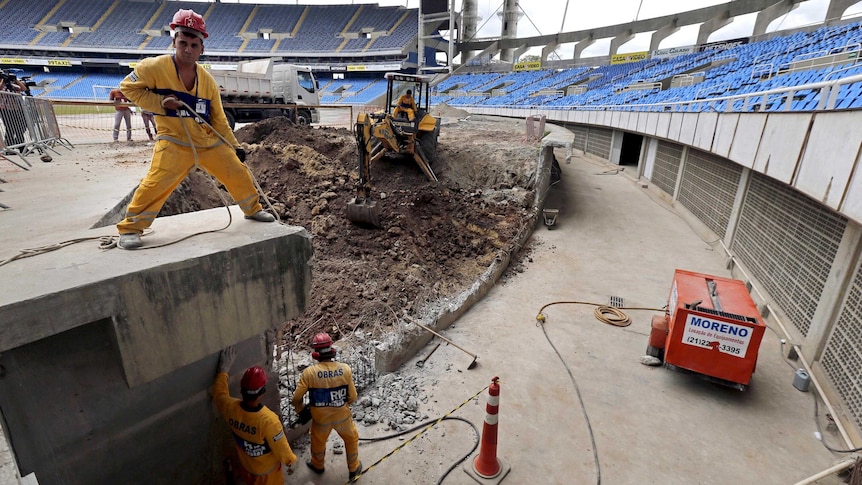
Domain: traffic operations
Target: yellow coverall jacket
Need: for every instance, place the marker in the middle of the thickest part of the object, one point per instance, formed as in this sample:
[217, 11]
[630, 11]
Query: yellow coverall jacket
[407, 105]
[152, 80]
[331, 391]
[259, 436]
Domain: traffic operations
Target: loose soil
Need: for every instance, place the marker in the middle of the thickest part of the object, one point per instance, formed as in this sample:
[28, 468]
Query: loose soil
[436, 239]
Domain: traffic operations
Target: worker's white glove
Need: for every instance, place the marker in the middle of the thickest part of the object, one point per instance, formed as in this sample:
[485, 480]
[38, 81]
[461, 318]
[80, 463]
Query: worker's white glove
[225, 361]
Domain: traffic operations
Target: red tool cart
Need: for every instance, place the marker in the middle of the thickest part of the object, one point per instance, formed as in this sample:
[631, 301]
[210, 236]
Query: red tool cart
[712, 328]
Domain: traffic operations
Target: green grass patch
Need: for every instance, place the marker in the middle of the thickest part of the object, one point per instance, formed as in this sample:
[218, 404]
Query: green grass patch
[81, 109]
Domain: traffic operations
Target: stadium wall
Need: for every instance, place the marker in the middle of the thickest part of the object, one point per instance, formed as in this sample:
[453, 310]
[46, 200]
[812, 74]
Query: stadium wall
[779, 192]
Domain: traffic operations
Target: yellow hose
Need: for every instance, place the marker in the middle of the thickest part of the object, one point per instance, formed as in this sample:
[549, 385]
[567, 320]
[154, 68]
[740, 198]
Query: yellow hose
[604, 313]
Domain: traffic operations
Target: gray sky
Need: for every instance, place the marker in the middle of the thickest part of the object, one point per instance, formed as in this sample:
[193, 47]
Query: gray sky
[542, 17]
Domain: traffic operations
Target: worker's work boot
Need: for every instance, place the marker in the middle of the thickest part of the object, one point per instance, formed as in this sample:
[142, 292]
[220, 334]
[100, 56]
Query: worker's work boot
[262, 216]
[356, 473]
[314, 468]
[130, 241]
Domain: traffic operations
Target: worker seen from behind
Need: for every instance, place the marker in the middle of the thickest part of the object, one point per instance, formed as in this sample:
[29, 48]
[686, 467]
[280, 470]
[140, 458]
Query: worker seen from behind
[257, 431]
[121, 113]
[169, 86]
[331, 391]
[406, 106]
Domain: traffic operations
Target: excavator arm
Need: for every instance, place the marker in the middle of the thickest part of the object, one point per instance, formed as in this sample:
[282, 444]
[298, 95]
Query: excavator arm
[362, 209]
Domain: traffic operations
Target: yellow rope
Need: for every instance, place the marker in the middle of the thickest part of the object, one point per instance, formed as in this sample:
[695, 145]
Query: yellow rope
[604, 313]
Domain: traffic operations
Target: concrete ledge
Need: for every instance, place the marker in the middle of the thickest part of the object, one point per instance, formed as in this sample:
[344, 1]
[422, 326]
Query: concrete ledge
[120, 347]
[171, 306]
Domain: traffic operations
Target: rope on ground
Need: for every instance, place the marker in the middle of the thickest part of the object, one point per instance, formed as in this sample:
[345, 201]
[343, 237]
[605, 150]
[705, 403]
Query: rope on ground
[30, 252]
[427, 426]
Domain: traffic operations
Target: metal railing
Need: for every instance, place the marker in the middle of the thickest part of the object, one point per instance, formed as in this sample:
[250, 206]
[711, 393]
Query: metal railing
[29, 126]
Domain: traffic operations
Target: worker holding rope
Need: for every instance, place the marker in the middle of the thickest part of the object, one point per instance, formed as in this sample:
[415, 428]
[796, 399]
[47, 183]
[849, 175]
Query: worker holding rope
[168, 86]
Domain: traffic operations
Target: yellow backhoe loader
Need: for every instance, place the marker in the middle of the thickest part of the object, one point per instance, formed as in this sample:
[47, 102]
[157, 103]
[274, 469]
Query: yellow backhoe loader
[400, 130]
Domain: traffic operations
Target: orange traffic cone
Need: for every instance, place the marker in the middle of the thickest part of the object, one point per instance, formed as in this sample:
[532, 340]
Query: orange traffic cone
[487, 465]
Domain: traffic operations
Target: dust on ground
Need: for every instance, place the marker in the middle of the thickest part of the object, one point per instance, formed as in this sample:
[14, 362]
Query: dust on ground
[436, 239]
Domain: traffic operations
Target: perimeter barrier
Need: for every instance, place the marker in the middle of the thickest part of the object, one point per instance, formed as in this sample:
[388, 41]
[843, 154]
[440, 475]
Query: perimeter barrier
[29, 126]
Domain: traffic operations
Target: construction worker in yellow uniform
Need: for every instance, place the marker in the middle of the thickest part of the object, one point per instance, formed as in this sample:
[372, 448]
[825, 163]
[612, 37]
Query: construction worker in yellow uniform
[405, 105]
[168, 86]
[331, 391]
[257, 431]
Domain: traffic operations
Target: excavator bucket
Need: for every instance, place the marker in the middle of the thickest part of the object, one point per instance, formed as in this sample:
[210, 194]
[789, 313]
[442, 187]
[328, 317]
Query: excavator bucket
[363, 212]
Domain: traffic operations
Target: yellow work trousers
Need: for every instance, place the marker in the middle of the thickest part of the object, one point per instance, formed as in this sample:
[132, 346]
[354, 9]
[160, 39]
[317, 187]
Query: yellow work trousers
[275, 477]
[407, 113]
[345, 428]
[171, 163]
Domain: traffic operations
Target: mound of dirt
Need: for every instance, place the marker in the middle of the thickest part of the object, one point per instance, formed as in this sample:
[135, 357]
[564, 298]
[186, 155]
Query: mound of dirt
[437, 238]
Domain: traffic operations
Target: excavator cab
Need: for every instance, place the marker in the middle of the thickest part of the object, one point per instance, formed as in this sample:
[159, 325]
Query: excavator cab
[400, 130]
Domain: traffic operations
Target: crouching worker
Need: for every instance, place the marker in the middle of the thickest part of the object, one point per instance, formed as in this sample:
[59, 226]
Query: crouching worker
[330, 391]
[257, 431]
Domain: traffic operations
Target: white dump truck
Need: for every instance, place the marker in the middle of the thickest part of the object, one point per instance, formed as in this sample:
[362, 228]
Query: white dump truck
[265, 82]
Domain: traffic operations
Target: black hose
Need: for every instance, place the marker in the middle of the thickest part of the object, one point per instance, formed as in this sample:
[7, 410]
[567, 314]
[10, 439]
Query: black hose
[598, 466]
[426, 423]
[820, 431]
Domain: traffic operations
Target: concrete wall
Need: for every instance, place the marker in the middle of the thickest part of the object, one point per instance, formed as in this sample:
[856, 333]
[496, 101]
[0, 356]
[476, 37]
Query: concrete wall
[107, 357]
[817, 153]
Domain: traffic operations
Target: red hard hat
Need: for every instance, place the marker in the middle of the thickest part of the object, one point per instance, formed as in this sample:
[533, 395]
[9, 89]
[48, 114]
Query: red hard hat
[321, 341]
[254, 380]
[186, 20]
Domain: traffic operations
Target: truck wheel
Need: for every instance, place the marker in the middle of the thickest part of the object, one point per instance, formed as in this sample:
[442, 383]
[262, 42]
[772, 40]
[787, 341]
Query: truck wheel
[303, 118]
[231, 121]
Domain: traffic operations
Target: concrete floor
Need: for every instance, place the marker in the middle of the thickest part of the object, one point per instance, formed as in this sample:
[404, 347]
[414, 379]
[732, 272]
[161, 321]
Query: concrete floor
[650, 425]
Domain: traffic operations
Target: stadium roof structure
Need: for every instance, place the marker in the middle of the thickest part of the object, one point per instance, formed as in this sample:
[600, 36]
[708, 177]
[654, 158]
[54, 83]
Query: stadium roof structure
[711, 19]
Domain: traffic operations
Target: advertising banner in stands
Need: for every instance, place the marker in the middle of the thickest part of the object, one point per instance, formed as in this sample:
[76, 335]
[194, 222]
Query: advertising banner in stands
[671, 52]
[724, 44]
[369, 67]
[527, 66]
[38, 62]
[630, 57]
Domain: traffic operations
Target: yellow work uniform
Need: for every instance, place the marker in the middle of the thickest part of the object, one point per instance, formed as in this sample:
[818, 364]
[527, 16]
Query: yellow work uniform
[259, 436]
[407, 105]
[330, 391]
[152, 80]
